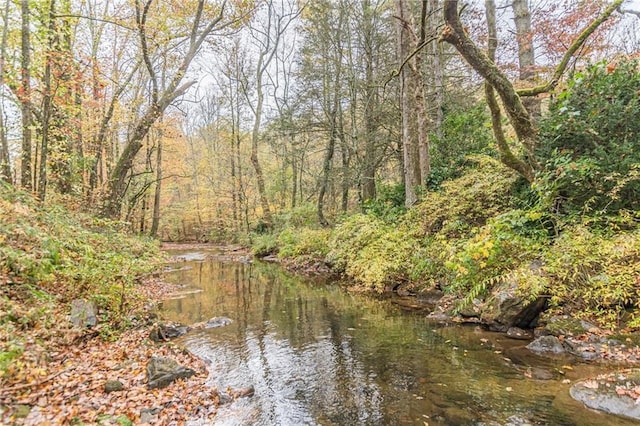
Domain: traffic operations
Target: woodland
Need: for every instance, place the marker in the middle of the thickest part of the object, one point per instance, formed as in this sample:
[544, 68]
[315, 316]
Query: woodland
[402, 144]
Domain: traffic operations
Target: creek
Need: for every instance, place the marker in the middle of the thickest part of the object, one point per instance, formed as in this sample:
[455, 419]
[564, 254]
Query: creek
[317, 354]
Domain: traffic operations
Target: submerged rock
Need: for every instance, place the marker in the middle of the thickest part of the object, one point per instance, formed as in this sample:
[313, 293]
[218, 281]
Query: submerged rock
[519, 334]
[162, 371]
[547, 344]
[614, 393]
[216, 322]
[83, 313]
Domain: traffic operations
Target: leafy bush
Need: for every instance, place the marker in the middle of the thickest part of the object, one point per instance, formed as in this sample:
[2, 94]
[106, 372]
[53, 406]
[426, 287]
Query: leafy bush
[505, 244]
[466, 202]
[466, 130]
[304, 243]
[591, 141]
[302, 216]
[371, 252]
[263, 245]
[388, 204]
[594, 275]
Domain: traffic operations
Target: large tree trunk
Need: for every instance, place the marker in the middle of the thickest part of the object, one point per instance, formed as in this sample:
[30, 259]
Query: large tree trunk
[410, 142]
[436, 69]
[155, 222]
[255, 137]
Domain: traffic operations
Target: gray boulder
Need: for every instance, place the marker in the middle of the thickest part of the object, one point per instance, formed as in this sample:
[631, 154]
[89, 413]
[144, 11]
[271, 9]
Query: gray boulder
[613, 394]
[83, 313]
[162, 371]
[216, 322]
[567, 326]
[547, 344]
[505, 309]
[113, 386]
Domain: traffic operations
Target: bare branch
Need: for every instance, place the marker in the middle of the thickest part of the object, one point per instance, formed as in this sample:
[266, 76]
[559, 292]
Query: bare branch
[577, 44]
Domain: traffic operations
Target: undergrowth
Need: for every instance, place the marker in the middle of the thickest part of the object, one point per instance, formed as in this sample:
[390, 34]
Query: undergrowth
[50, 256]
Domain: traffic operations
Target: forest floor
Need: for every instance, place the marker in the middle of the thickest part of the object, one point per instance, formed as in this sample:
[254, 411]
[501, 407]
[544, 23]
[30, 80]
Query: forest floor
[60, 377]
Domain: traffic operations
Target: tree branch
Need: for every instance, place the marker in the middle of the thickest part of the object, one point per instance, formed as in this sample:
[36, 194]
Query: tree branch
[575, 46]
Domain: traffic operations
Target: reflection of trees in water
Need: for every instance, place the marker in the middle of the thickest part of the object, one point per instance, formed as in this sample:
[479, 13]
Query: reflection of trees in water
[318, 355]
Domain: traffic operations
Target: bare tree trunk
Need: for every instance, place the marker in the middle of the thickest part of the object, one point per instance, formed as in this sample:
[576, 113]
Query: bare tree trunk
[5, 161]
[526, 54]
[370, 100]
[410, 146]
[25, 101]
[155, 222]
[438, 73]
[333, 112]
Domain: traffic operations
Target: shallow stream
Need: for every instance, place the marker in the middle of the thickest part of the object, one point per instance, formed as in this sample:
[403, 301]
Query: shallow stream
[319, 355]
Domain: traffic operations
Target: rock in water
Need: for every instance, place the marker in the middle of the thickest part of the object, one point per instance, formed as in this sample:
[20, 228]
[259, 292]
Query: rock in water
[505, 308]
[519, 334]
[218, 322]
[162, 371]
[613, 394]
[546, 344]
[83, 313]
[164, 332]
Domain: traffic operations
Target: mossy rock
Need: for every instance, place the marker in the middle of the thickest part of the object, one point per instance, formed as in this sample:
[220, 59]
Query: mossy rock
[567, 326]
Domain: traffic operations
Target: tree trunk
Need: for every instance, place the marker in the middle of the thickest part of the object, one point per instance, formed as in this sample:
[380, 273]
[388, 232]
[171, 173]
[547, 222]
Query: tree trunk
[155, 223]
[5, 160]
[526, 54]
[438, 73]
[410, 144]
[255, 137]
[25, 101]
[521, 121]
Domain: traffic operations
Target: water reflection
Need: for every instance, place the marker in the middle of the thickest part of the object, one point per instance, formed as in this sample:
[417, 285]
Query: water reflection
[317, 355]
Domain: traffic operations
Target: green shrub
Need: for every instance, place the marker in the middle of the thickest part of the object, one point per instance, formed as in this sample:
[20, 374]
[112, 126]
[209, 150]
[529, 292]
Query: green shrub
[304, 243]
[590, 142]
[593, 274]
[304, 215]
[263, 245]
[505, 244]
[466, 130]
[466, 202]
[388, 204]
[371, 252]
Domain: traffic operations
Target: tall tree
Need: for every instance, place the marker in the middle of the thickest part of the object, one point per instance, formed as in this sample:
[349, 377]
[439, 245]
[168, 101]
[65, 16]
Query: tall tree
[526, 54]
[160, 98]
[415, 136]
[267, 36]
[5, 160]
[520, 118]
[25, 97]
